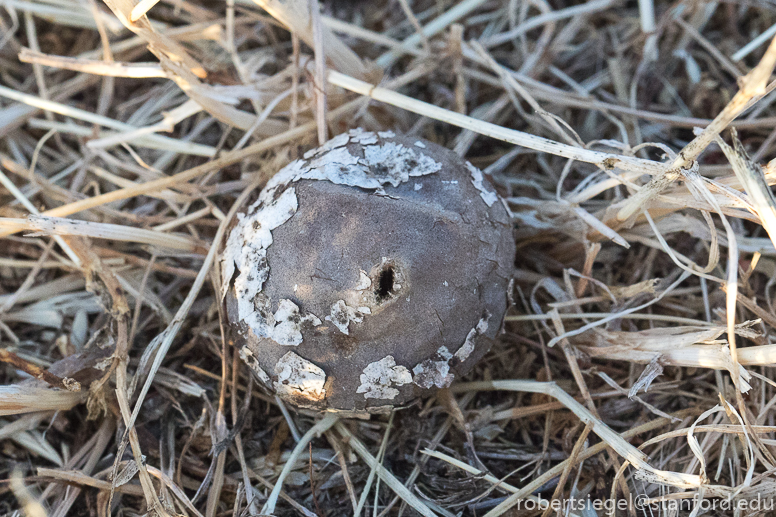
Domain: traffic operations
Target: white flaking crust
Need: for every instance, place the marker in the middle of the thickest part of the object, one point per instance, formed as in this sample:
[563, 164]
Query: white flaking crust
[287, 329]
[379, 377]
[246, 354]
[477, 180]
[359, 136]
[248, 243]
[342, 314]
[340, 140]
[364, 282]
[398, 163]
[436, 371]
[298, 377]
[246, 248]
[467, 348]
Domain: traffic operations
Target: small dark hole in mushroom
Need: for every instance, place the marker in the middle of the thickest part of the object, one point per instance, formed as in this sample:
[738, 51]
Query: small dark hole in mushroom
[384, 284]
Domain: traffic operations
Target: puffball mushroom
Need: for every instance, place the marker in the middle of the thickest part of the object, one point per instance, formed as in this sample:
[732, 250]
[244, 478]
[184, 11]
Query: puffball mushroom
[368, 273]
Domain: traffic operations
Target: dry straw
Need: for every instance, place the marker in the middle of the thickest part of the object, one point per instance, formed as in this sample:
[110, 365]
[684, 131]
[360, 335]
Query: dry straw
[629, 156]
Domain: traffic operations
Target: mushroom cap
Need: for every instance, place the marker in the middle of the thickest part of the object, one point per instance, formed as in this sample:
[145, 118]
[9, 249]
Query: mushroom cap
[368, 273]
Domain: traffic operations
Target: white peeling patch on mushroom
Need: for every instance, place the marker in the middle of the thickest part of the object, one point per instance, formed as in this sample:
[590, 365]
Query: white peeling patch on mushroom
[467, 348]
[395, 163]
[246, 248]
[340, 140]
[477, 181]
[339, 166]
[387, 163]
[246, 251]
[359, 136]
[364, 282]
[420, 144]
[434, 372]
[246, 354]
[297, 377]
[288, 323]
[284, 326]
[342, 314]
[379, 377]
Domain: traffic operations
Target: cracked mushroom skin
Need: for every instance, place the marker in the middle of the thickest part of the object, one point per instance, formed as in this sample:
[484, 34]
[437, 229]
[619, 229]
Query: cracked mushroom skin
[370, 272]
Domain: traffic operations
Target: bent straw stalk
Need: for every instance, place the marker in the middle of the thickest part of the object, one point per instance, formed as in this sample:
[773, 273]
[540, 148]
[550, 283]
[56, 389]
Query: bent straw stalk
[603, 160]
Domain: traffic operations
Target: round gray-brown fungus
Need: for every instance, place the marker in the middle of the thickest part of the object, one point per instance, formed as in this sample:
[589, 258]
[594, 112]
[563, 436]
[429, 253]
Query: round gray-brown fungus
[369, 272]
